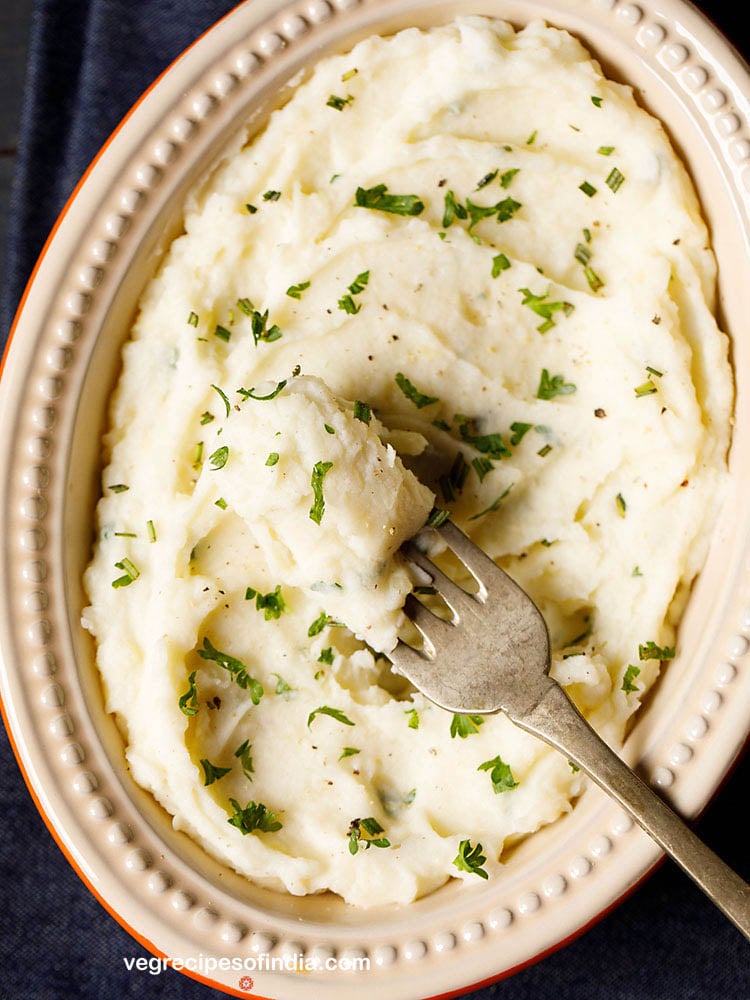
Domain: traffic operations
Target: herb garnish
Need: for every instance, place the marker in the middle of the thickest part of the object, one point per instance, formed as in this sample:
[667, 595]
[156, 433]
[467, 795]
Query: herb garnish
[273, 458]
[413, 718]
[349, 752]
[503, 211]
[118, 488]
[334, 713]
[614, 179]
[362, 412]
[491, 445]
[650, 651]
[549, 387]
[272, 605]
[378, 198]
[628, 677]
[193, 318]
[588, 189]
[544, 309]
[346, 302]
[211, 772]
[518, 429]
[188, 702]
[319, 472]
[365, 832]
[470, 859]
[452, 484]
[244, 755]
[494, 505]
[621, 504]
[250, 393]
[255, 816]
[219, 458]
[222, 333]
[223, 395]
[465, 725]
[326, 656]
[271, 195]
[413, 394]
[453, 209]
[339, 103]
[501, 775]
[500, 263]
[295, 291]
[236, 668]
[129, 574]
[319, 624]
[151, 531]
[437, 517]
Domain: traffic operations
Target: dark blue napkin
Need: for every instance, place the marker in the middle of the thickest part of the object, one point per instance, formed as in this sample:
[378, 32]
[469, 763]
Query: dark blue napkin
[89, 61]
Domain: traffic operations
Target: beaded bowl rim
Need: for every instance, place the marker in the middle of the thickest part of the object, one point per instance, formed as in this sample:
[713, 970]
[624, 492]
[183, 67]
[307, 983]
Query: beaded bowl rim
[185, 904]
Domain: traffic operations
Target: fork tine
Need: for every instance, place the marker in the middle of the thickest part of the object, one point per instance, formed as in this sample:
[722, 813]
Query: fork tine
[474, 559]
[457, 599]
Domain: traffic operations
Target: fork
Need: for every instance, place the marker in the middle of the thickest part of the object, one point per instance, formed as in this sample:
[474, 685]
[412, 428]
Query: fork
[493, 655]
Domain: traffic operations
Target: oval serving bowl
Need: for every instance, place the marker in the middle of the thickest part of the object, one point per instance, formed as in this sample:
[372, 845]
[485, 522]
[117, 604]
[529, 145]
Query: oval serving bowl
[59, 372]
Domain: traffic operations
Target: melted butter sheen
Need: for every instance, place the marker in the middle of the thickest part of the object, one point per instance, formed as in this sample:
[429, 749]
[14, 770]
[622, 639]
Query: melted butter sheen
[541, 302]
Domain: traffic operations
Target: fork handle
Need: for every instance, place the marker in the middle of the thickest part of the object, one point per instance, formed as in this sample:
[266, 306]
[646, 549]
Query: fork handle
[557, 721]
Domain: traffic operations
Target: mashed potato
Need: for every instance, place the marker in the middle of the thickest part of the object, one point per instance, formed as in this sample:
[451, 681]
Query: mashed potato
[460, 252]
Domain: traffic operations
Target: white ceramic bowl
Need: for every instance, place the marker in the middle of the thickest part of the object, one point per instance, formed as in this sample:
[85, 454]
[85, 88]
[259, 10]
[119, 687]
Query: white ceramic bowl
[59, 371]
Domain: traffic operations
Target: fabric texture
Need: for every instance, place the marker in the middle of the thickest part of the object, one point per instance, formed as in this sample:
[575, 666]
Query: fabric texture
[89, 60]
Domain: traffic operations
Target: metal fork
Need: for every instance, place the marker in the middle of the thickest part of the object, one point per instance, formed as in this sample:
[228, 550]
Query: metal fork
[493, 656]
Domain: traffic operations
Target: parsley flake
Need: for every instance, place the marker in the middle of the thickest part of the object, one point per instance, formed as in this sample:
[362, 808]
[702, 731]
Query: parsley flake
[544, 309]
[235, 667]
[188, 702]
[319, 472]
[211, 772]
[254, 816]
[244, 754]
[334, 713]
[650, 651]
[465, 725]
[378, 198]
[501, 775]
[555, 385]
[365, 833]
[413, 394]
[295, 291]
[628, 678]
[470, 859]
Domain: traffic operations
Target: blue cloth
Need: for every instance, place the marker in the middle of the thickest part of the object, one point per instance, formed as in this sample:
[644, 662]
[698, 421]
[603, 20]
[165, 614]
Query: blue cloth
[89, 61]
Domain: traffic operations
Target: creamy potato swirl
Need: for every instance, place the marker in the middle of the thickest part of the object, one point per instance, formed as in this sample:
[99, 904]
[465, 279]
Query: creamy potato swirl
[465, 244]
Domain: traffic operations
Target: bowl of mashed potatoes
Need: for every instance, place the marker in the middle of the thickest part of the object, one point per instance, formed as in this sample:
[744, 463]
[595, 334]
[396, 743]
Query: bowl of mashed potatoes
[346, 271]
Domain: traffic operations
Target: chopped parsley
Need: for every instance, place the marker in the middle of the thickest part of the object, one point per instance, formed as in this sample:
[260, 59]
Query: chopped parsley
[255, 816]
[319, 472]
[596, 101]
[251, 209]
[501, 775]
[551, 386]
[282, 688]
[452, 209]
[378, 198]
[470, 859]
[129, 574]
[188, 702]
[544, 309]
[118, 488]
[260, 328]
[482, 466]
[319, 624]
[295, 291]
[235, 667]
[219, 458]
[413, 718]
[621, 504]
[244, 755]
[273, 458]
[272, 605]
[503, 211]
[222, 333]
[650, 651]
[628, 678]
[349, 752]
[583, 255]
[465, 725]
[271, 195]
[346, 302]
[500, 263]
[339, 103]
[193, 319]
[606, 150]
[224, 399]
[326, 655]
[365, 833]
[211, 772]
[518, 429]
[250, 393]
[413, 394]
[588, 189]
[487, 179]
[207, 418]
[362, 412]
[507, 176]
[491, 445]
[334, 713]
